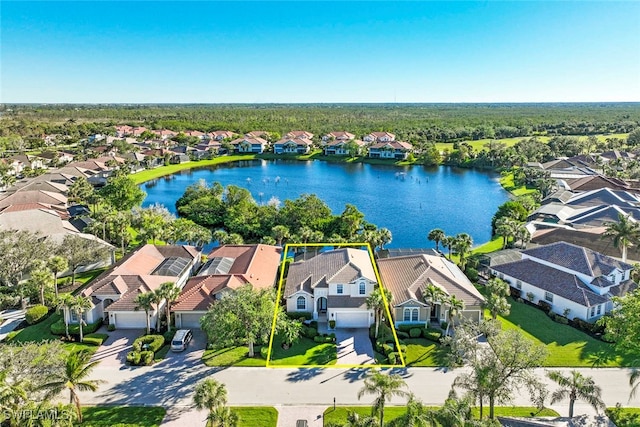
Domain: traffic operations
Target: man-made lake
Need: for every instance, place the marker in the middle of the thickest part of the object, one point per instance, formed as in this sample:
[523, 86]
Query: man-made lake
[409, 201]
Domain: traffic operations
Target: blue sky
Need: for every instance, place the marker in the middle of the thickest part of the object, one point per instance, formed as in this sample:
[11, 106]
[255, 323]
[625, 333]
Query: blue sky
[219, 52]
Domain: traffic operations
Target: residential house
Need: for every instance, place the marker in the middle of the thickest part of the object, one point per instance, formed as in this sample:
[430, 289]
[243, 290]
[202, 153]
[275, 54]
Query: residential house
[575, 281]
[113, 294]
[249, 145]
[407, 278]
[390, 150]
[196, 133]
[165, 134]
[379, 137]
[292, 146]
[123, 130]
[299, 134]
[333, 285]
[257, 134]
[211, 146]
[227, 268]
[34, 196]
[338, 136]
[341, 147]
[221, 135]
[138, 130]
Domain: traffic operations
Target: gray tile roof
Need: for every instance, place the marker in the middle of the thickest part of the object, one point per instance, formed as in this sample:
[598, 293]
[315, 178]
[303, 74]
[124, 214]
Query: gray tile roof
[550, 279]
[578, 259]
[337, 266]
[346, 301]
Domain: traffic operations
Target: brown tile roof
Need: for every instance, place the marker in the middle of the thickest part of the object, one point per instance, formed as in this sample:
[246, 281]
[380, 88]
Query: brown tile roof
[577, 258]
[338, 142]
[340, 135]
[92, 165]
[132, 285]
[255, 264]
[596, 182]
[396, 145]
[336, 266]
[588, 237]
[378, 135]
[297, 141]
[256, 134]
[299, 134]
[406, 277]
[565, 285]
[33, 196]
[252, 141]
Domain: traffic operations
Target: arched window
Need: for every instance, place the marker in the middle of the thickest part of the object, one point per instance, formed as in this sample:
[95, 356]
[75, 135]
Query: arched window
[410, 314]
[301, 303]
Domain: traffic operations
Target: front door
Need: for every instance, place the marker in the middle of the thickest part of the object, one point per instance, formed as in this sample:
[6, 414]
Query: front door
[322, 305]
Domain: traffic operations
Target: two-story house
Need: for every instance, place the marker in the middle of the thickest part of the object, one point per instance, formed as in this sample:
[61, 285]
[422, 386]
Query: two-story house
[333, 285]
[249, 145]
[338, 136]
[576, 281]
[292, 146]
[379, 137]
[390, 150]
[343, 147]
[299, 134]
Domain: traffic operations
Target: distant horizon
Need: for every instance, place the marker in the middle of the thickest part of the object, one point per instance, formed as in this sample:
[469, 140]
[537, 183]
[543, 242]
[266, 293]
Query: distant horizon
[5, 104]
[302, 52]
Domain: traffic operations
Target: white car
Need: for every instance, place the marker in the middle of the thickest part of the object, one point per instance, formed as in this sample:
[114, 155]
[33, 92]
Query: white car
[181, 339]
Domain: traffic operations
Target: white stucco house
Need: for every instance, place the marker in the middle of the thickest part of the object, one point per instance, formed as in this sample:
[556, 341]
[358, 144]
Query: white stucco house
[333, 285]
[576, 281]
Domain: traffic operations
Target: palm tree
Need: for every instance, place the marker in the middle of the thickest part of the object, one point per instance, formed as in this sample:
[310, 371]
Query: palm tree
[64, 304]
[462, 244]
[436, 235]
[156, 299]
[385, 387]
[81, 304]
[433, 295]
[506, 227]
[634, 382]
[280, 232]
[384, 237]
[171, 293]
[454, 413]
[145, 301]
[223, 417]
[448, 242]
[57, 264]
[73, 377]
[417, 414]
[576, 386]
[354, 420]
[375, 302]
[496, 301]
[625, 233]
[456, 305]
[209, 394]
[41, 279]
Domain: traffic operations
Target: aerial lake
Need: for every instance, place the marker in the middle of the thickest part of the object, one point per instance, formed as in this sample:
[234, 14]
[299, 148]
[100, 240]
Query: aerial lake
[409, 201]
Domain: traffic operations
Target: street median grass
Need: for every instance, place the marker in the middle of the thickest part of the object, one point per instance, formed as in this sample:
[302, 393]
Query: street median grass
[424, 353]
[233, 356]
[624, 417]
[339, 415]
[252, 416]
[122, 416]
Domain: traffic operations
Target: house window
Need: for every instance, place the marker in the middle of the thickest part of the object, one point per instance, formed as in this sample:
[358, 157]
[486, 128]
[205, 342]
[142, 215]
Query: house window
[548, 296]
[518, 284]
[340, 289]
[410, 315]
[301, 303]
[593, 311]
[599, 309]
[414, 315]
[363, 288]
[74, 316]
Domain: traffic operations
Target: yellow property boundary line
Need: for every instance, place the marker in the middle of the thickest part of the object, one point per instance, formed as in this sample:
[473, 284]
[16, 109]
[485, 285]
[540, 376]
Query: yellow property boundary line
[384, 298]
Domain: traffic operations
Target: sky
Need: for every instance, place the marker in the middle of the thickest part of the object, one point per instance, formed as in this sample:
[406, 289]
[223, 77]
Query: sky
[307, 52]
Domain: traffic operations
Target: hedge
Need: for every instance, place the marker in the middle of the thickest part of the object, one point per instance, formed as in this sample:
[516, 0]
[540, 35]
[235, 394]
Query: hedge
[415, 332]
[402, 334]
[432, 334]
[36, 314]
[95, 339]
[155, 343]
[133, 358]
[407, 327]
[264, 351]
[325, 338]
[168, 335]
[57, 328]
[140, 358]
[308, 332]
[300, 315]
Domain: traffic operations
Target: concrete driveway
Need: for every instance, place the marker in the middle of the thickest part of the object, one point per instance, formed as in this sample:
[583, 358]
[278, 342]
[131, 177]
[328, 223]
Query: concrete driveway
[193, 353]
[354, 347]
[114, 351]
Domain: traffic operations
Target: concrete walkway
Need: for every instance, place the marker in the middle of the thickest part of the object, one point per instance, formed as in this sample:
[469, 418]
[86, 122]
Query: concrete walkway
[288, 415]
[12, 318]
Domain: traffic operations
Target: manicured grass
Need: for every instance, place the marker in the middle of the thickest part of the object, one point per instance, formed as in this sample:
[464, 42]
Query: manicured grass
[233, 356]
[123, 416]
[507, 183]
[422, 352]
[42, 332]
[252, 416]
[162, 353]
[567, 346]
[624, 417]
[510, 142]
[148, 175]
[81, 280]
[339, 415]
[305, 352]
[490, 246]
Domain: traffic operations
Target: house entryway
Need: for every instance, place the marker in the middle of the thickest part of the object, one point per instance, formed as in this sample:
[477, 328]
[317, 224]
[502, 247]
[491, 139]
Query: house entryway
[354, 346]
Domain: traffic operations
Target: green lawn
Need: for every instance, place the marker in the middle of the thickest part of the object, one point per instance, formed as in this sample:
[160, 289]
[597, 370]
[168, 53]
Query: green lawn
[507, 183]
[567, 346]
[305, 352]
[339, 415]
[422, 352]
[122, 416]
[510, 142]
[624, 417]
[41, 332]
[253, 416]
[162, 353]
[490, 246]
[233, 356]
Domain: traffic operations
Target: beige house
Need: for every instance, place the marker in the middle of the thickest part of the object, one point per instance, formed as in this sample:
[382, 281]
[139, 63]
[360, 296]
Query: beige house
[407, 278]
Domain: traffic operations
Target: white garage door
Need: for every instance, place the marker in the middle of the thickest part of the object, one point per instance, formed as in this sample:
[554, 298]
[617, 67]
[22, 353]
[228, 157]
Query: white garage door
[190, 320]
[352, 319]
[131, 320]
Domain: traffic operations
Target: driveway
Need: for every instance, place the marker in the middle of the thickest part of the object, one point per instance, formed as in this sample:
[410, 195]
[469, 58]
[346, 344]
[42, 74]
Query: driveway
[192, 354]
[114, 351]
[354, 347]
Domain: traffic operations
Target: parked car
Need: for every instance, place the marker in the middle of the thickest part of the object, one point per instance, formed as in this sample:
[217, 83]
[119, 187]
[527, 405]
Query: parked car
[181, 339]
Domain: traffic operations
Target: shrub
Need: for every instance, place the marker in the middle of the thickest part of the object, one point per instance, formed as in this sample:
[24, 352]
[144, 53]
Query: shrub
[387, 348]
[402, 334]
[406, 327]
[393, 358]
[332, 324]
[324, 338]
[530, 296]
[443, 325]
[544, 306]
[57, 328]
[432, 334]
[313, 324]
[153, 342]
[300, 315]
[471, 273]
[515, 293]
[146, 358]
[168, 335]
[133, 358]
[415, 332]
[308, 331]
[111, 327]
[95, 339]
[36, 314]
[264, 352]
[559, 319]
[8, 301]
